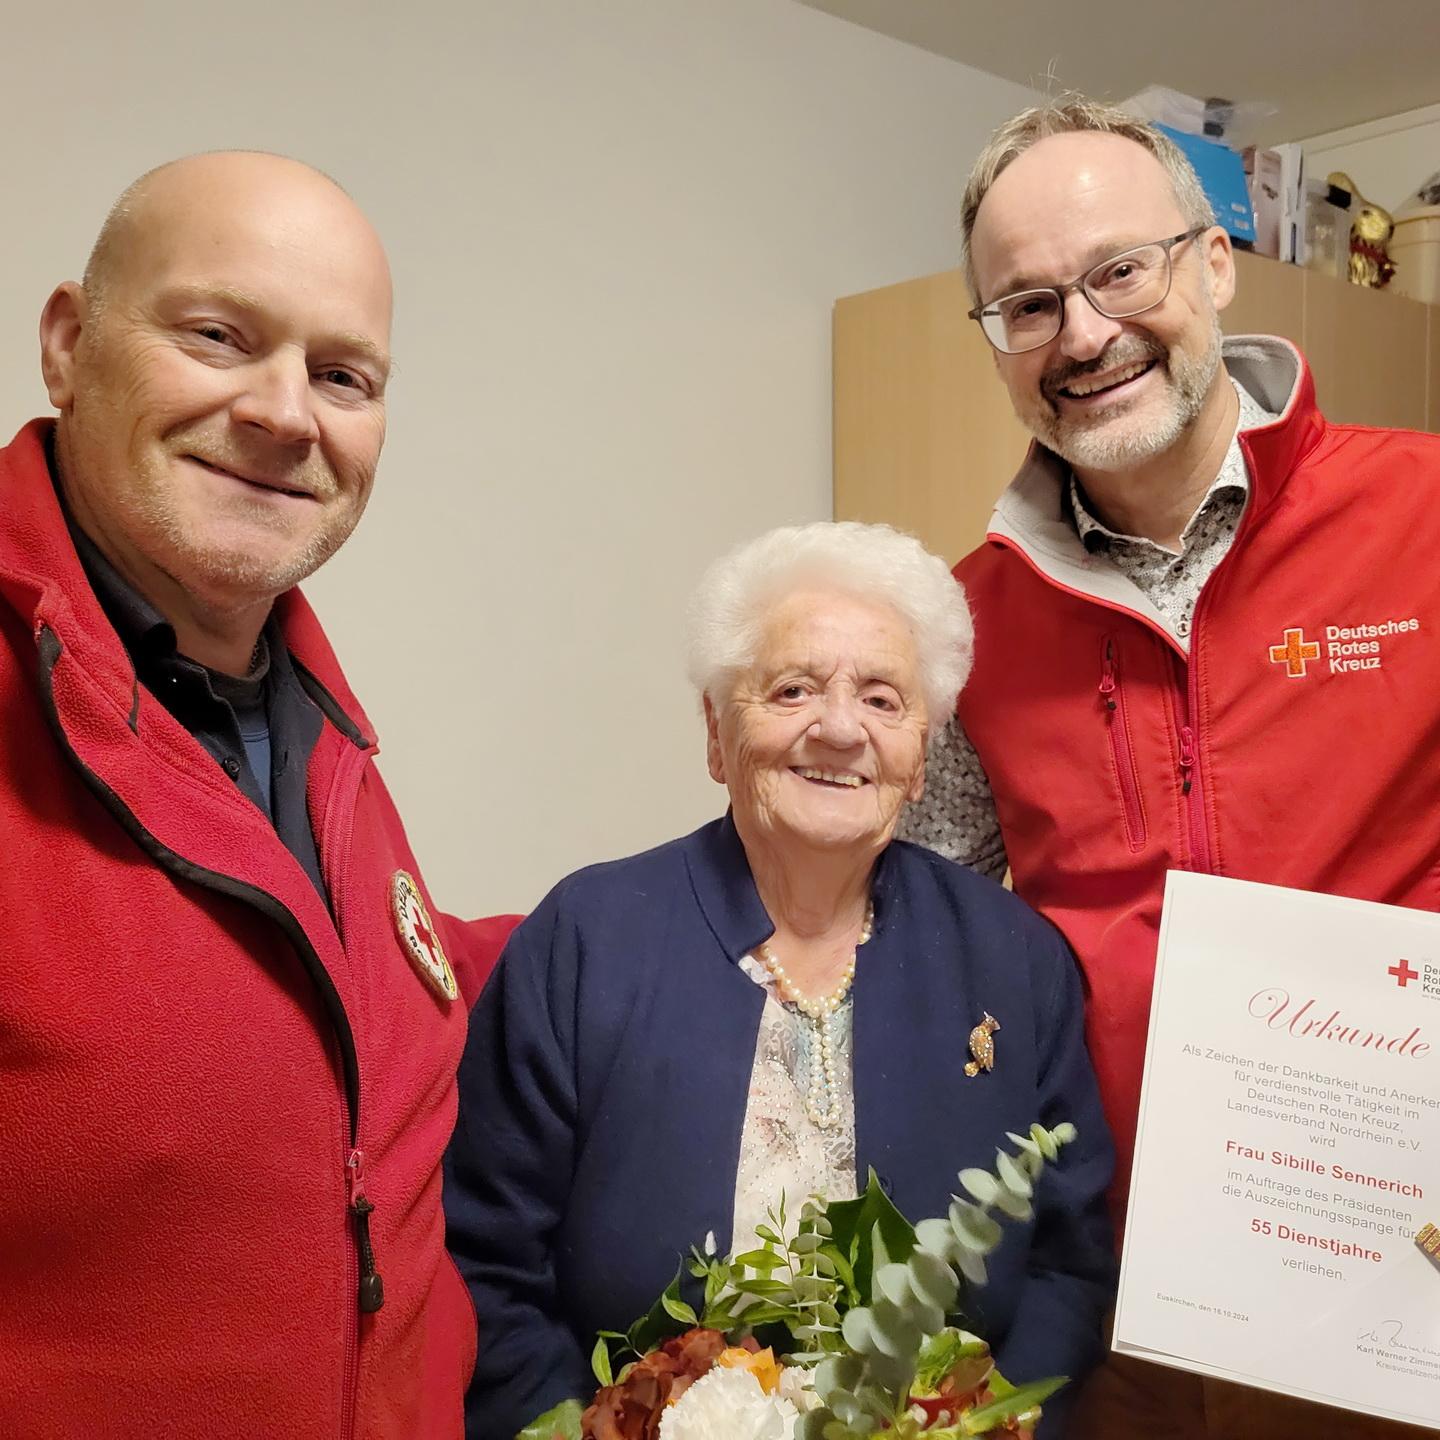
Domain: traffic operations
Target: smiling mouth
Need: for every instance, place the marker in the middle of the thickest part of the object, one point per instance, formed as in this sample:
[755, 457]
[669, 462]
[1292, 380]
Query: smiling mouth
[835, 779]
[265, 485]
[1087, 387]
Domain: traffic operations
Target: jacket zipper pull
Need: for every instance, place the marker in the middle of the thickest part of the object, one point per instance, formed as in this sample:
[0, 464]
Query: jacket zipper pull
[372, 1287]
[1187, 757]
[1107, 680]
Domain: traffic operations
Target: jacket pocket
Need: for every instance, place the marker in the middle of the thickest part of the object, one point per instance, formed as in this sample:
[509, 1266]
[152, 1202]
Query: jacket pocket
[1122, 755]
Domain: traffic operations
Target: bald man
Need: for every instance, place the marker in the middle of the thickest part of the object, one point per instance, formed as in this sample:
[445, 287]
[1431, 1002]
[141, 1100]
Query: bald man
[230, 1014]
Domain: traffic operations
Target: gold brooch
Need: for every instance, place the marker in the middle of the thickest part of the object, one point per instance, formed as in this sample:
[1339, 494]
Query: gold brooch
[982, 1045]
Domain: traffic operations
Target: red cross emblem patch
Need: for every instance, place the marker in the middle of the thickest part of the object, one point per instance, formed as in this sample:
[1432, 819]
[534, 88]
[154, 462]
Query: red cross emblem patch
[419, 937]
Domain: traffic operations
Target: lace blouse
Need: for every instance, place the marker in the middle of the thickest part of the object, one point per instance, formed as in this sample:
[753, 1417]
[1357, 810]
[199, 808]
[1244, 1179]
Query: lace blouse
[781, 1147]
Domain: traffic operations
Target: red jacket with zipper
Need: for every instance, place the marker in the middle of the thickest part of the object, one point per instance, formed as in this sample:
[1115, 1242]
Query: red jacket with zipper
[1117, 750]
[195, 1055]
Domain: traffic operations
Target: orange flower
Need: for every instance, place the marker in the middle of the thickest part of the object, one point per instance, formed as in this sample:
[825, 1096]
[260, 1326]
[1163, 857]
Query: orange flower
[760, 1363]
[631, 1408]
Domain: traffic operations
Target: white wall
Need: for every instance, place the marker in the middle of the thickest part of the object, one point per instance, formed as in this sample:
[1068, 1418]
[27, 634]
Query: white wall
[617, 231]
[1388, 159]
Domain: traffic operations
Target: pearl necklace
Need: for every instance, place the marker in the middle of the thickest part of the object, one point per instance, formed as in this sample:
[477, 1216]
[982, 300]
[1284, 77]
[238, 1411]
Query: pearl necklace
[822, 1099]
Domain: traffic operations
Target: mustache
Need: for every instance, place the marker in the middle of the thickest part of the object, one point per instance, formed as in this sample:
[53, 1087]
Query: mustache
[1123, 350]
[271, 463]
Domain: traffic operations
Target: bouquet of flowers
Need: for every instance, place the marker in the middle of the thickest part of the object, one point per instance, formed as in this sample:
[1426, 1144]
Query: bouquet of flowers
[833, 1327]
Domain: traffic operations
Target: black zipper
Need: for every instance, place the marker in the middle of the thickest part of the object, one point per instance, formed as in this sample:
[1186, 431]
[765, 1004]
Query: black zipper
[50, 649]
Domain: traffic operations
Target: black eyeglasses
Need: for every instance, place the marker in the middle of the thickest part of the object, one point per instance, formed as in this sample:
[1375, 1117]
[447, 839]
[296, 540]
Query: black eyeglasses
[1124, 285]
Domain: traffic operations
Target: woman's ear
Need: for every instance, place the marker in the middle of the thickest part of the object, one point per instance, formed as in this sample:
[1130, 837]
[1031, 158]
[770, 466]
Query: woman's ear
[714, 756]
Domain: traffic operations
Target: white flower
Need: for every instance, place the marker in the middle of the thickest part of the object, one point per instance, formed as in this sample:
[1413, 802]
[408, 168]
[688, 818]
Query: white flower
[729, 1405]
[796, 1388]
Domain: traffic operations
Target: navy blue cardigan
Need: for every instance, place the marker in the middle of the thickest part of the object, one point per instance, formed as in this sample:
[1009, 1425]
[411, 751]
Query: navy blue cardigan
[604, 1084]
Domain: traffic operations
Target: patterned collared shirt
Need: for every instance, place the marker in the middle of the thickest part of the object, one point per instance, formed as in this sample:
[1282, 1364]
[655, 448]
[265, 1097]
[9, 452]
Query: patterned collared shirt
[1172, 581]
[956, 816]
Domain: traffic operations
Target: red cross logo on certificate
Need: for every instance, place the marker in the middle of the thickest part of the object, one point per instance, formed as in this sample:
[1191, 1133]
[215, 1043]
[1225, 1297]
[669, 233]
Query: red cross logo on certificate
[1294, 653]
[1403, 973]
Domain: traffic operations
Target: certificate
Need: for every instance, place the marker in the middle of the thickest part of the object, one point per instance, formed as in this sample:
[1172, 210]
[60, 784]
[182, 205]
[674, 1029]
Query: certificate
[1285, 1197]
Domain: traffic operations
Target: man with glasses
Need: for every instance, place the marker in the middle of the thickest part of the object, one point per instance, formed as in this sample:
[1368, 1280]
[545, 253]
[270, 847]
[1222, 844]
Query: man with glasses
[1153, 686]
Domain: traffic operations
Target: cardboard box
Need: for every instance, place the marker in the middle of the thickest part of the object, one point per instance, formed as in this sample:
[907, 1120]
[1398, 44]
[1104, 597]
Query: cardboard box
[1265, 183]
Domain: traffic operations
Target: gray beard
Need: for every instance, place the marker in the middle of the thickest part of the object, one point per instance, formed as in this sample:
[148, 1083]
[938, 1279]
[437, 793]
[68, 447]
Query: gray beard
[1116, 445]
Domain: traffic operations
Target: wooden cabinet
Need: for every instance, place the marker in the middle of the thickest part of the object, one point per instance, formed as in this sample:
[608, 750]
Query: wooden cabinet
[925, 439]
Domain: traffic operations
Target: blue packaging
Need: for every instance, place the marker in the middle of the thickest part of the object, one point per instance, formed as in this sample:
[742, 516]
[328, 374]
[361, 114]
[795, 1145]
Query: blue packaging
[1222, 174]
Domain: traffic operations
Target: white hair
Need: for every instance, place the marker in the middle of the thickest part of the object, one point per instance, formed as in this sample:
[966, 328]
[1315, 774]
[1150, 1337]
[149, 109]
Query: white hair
[871, 562]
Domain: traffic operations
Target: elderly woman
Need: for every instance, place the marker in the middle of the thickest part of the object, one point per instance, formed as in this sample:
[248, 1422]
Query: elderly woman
[779, 1001]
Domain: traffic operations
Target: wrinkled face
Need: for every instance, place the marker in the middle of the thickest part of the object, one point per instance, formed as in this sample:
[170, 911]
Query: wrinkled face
[223, 412]
[823, 739]
[1104, 394]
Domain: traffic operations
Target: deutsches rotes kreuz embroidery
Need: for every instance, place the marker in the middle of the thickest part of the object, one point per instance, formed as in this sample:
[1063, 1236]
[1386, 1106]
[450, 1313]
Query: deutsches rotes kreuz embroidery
[1343, 650]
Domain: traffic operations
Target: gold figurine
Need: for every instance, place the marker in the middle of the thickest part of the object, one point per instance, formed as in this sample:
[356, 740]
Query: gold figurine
[982, 1045]
[1370, 232]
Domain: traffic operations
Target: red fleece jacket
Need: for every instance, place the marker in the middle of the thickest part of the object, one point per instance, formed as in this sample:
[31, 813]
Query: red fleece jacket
[205, 1075]
[1292, 738]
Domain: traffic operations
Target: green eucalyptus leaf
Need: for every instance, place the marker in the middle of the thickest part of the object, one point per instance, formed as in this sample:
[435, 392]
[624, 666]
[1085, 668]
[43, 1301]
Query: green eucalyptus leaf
[893, 1282]
[1028, 1147]
[890, 1374]
[563, 1420]
[838, 1372]
[858, 1331]
[932, 1279]
[972, 1266]
[924, 1315]
[934, 1237]
[803, 1244]
[896, 1332]
[975, 1229]
[1042, 1137]
[1015, 1206]
[981, 1184]
[1011, 1176]
[875, 1400]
